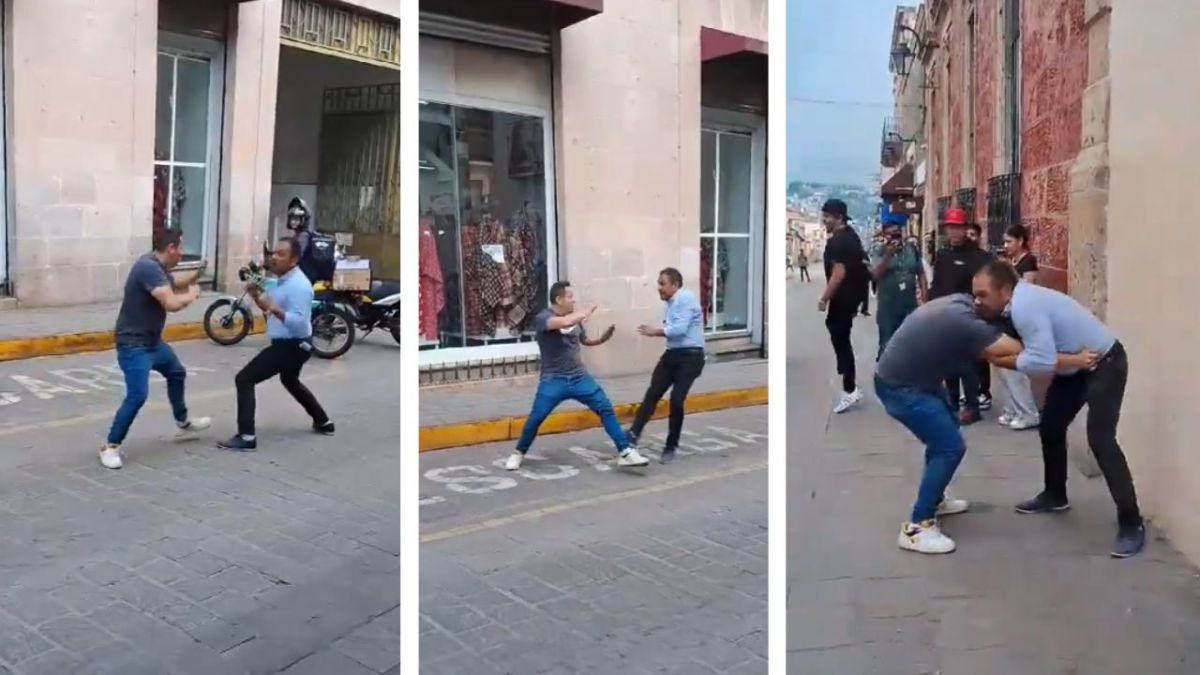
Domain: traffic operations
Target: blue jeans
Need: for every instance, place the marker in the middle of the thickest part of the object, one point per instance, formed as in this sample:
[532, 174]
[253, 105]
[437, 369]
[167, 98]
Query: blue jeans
[555, 389]
[136, 363]
[929, 417]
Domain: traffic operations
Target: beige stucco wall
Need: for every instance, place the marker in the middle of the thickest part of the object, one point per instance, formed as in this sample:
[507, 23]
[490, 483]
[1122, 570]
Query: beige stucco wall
[81, 145]
[385, 7]
[1152, 237]
[628, 155]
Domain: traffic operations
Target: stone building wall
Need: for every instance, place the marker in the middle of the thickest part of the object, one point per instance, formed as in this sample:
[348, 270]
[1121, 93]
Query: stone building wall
[1054, 70]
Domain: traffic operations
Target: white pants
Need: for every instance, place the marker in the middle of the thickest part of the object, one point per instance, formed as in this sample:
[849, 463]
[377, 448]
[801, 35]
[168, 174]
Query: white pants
[1019, 393]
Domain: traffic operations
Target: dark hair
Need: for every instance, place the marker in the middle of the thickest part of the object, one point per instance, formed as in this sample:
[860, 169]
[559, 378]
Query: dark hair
[1020, 232]
[557, 290]
[974, 227]
[1001, 273]
[165, 238]
[673, 276]
[293, 246]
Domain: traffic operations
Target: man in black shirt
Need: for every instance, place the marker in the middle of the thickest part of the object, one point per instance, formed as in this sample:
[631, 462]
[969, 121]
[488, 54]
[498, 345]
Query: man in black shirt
[954, 269]
[845, 287]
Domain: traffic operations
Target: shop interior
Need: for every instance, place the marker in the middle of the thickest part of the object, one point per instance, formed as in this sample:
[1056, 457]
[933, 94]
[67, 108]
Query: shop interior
[484, 259]
[337, 146]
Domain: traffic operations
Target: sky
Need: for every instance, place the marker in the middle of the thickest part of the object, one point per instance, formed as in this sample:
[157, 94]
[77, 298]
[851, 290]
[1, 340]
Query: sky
[837, 51]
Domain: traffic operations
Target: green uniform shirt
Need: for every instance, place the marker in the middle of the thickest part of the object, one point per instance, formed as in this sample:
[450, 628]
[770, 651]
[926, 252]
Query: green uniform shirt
[899, 282]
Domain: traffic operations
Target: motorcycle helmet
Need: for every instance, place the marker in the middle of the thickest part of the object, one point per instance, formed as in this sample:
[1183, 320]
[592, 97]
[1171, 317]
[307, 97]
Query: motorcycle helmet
[298, 214]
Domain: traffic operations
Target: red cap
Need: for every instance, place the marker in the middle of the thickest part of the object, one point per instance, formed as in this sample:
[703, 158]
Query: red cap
[954, 216]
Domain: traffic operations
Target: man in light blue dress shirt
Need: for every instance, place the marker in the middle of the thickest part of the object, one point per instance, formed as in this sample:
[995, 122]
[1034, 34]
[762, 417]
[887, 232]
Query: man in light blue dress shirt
[681, 363]
[1049, 324]
[288, 307]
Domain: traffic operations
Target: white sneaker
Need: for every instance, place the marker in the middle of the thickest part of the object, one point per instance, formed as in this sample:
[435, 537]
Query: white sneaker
[925, 537]
[1019, 424]
[110, 457]
[848, 401]
[631, 457]
[1006, 420]
[190, 427]
[514, 461]
[952, 507]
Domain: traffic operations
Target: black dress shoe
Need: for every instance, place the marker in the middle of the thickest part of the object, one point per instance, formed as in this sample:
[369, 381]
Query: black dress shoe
[239, 444]
[1043, 503]
[326, 429]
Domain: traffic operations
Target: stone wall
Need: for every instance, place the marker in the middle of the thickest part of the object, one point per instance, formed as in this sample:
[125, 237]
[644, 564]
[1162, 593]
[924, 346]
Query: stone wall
[1089, 179]
[81, 99]
[1054, 74]
[1151, 235]
[628, 90]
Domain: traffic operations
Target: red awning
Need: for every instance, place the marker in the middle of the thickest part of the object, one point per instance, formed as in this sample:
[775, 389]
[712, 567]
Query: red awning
[717, 44]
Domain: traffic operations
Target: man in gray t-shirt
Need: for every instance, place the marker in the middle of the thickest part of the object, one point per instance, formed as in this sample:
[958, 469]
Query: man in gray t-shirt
[560, 333]
[150, 294]
[559, 349]
[932, 340]
[932, 343]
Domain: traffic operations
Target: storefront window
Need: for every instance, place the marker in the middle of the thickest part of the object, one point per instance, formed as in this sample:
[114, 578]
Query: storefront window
[483, 254]
[725, 189]
[182, 149]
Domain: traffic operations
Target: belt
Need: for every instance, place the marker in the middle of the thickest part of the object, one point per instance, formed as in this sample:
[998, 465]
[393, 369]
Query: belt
[686, 350]
[291, 341]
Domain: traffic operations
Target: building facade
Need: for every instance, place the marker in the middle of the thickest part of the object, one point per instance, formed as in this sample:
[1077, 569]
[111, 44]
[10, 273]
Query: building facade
[1011, 127]
[1152, 149]
[198, 115]
[595, 142]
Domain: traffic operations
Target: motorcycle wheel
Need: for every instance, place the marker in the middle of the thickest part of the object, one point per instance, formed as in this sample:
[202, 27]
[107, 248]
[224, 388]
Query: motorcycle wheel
[220, 322]
[394, 326]
[333, 332]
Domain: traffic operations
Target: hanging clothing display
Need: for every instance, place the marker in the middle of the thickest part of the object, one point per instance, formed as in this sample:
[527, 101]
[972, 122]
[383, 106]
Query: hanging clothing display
[523, 227]
[431, 289]
[707, 300]
[487, 278]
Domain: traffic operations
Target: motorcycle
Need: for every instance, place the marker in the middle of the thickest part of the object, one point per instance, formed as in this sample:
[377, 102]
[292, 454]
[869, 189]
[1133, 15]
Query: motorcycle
[378, 308]
[229, 319]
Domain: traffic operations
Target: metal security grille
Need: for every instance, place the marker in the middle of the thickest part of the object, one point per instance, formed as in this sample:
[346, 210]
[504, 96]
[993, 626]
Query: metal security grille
[943, 205]
[358, 185]
[341, 32]
[965, 200]
[1003, 206]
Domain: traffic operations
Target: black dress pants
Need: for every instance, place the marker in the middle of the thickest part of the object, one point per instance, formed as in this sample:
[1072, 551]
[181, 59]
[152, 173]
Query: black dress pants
[1103, 390]
[284, 358]
[676, 370]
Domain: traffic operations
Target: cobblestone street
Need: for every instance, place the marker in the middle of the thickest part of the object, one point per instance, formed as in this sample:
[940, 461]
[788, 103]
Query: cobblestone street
[572, 566]
[1023, 594]
[194, 560]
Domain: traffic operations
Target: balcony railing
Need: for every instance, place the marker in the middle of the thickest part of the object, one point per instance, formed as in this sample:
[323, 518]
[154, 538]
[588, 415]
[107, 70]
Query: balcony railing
[891, 147]
[1003, 206]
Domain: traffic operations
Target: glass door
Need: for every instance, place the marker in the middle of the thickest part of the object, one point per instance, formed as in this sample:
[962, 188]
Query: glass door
[187, 142]
[726, 189]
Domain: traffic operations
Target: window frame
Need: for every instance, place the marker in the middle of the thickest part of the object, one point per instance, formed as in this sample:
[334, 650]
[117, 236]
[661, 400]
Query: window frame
[753, 126]
[447, 355]
[178, 46]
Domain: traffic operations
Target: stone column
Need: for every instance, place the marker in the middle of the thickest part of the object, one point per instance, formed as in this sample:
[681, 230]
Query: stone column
[82, 108]
[252, 79]
[1087, 198]
[1088, 193]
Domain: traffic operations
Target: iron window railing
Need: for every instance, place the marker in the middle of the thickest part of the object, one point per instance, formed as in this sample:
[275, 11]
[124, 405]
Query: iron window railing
[891, 147]
[1003, 206]
[965, 200]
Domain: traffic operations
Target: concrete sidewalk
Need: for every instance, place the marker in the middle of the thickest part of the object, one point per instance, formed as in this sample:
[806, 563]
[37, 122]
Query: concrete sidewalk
[486, 412]
[1022, 594]
[51, 331]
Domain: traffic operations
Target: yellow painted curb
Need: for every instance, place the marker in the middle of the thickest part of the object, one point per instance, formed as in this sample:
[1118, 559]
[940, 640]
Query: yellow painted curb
[98, 341]
[509, 428]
